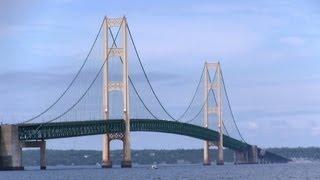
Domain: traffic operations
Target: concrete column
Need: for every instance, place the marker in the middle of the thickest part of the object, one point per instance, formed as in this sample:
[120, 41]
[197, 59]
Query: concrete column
[261, 154]
[10, 149]
[43, 161]
[253, 155]
[206, 154]
[246, 156]
[37, 144]
[126, 162]
[106, 160]
[220, 159]
[240, 157]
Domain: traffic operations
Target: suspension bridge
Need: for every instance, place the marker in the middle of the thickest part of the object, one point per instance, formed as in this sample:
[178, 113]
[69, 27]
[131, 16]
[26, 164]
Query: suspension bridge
[111, 94]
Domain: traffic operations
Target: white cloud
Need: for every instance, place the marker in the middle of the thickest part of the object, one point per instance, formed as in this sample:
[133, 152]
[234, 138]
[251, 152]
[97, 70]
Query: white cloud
[252, 125]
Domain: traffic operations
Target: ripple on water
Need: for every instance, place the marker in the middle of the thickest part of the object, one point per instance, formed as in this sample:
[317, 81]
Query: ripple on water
[176, 172]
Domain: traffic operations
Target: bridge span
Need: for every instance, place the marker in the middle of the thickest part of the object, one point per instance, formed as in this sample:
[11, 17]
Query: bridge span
[36, 134]
[55, 130]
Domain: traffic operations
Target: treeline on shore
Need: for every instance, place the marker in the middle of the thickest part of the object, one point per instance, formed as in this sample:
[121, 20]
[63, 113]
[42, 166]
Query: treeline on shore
[179, 156]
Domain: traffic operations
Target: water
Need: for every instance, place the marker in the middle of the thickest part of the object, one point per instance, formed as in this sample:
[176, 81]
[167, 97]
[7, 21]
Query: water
[175, 172]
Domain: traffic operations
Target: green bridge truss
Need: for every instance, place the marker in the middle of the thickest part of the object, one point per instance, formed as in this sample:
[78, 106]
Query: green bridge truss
[38, 131]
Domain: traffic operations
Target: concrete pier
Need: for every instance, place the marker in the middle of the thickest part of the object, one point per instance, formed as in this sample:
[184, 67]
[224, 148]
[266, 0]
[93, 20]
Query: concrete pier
[126, 164]
[206, 154]
[10, 149]
[246, 156]
[106, 160]
[43, 160]
[37, 144]
[220, 159]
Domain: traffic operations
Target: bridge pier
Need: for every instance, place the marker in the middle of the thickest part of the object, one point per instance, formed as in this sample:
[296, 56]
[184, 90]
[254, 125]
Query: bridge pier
[220, 159]
[106, 160]
[10, 149]
[126, 162]
[42, 146]
[248, 155]
[206, 154]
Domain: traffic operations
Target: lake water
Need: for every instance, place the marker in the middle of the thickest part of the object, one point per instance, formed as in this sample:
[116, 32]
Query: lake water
[176, 172]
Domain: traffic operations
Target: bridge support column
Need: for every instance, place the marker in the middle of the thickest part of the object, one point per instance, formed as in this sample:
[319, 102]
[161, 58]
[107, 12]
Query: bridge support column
[122, 85]
[210, 88]
[42, 146]
[246, 156]
[106, 160]
[43, 160]
[206, 154]
[220, 159]
[10, 149]
[126, 163]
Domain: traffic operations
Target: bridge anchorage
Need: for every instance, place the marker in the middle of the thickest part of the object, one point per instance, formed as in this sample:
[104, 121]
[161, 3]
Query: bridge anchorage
[31, 133]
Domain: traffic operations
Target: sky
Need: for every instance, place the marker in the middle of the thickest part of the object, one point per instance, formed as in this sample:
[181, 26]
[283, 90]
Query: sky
[268, 50]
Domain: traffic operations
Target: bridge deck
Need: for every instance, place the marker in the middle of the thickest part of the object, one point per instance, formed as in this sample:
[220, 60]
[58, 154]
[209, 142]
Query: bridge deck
[55, 130]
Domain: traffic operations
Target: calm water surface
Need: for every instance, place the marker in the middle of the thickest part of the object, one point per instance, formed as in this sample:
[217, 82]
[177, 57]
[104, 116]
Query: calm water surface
[179, 172]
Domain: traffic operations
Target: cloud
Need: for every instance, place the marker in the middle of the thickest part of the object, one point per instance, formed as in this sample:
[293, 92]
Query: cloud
[252, 125]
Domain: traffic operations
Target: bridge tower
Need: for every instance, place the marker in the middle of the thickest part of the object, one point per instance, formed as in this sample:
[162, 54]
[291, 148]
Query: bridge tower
[208, 86]
[122, 86]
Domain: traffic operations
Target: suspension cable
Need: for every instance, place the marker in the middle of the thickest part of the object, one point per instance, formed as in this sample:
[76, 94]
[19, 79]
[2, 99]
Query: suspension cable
[193, 97]
[73, 80]
[232, 115]
[114, 44]
[145, 74]
[214, 96]
[206, 98]
[215, 99]
[131, 82]
[198, 84]
[83, 95]
[196, 116]
[206, 101]
[202, 106]
[151, 87]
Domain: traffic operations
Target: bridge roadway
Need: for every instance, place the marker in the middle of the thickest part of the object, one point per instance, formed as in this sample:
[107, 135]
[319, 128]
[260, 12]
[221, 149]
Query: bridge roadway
[54, 130]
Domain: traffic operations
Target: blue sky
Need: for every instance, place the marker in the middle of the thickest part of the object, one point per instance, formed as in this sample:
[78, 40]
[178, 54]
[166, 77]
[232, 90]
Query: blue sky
[269, 51]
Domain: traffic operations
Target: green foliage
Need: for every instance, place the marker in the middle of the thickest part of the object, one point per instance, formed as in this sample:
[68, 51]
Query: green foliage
[90, 157]
[310, 153]
[190, 156]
